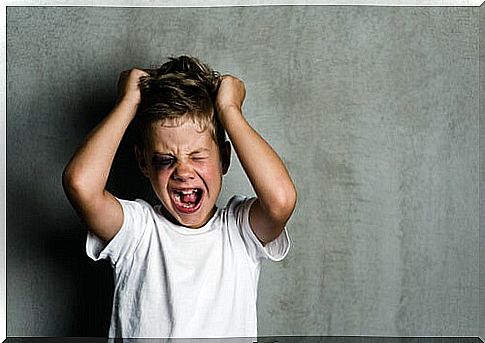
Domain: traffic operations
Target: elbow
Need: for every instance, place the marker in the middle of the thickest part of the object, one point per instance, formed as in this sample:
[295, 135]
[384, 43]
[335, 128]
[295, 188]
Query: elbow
[70, 182]
[283, 204]
[74, 184]
[67, 179]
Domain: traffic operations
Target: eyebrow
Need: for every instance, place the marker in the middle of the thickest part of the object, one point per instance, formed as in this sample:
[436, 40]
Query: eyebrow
[159, 154]
[197, 151]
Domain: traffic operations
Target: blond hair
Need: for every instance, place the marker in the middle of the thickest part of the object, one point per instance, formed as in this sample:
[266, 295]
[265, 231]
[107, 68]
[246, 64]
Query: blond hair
[182, 88]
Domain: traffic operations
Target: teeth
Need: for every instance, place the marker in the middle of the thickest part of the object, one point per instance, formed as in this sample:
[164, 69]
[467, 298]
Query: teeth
[186, 198]
[188, 192]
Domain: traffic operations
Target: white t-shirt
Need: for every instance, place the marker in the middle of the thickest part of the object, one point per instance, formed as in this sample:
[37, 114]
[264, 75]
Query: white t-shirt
[173, 281]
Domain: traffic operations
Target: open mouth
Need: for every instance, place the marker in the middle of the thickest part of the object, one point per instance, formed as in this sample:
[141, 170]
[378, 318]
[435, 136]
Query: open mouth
[187, 200]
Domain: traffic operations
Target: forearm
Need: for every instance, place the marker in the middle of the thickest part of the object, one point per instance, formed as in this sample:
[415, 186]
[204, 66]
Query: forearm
[88, 170]
[264, 168]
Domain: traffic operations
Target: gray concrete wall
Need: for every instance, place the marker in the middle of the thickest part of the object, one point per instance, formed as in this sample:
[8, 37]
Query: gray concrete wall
[482, 174]
[373, 109]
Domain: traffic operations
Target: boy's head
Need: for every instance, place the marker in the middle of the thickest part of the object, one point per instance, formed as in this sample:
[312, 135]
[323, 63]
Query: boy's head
[180, 142]
[182, 88]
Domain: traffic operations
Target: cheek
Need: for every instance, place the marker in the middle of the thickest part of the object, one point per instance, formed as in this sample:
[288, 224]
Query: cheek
[160, 178]
[212, 174]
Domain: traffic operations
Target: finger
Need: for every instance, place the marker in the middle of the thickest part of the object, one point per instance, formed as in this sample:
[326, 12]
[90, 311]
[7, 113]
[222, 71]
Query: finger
[122, 80]
[147, 71]
[226, 76]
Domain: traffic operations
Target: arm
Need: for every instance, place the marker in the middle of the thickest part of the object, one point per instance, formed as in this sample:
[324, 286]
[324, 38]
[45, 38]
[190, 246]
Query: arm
[276, 193]
[85, 176]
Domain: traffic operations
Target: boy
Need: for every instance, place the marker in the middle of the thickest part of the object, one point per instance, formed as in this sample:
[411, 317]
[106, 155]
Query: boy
[183, 268]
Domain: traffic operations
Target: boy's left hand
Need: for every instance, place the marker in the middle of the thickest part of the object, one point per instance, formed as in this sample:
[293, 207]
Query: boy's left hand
[230, 95]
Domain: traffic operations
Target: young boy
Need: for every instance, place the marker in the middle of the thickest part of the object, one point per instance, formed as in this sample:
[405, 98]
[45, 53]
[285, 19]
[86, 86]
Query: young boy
[184, 268]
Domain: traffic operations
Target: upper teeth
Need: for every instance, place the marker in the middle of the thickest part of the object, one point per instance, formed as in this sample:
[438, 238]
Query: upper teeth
[187, 192]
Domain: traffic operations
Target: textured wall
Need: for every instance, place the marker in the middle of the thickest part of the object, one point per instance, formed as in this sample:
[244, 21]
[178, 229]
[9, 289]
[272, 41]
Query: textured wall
[482, 173]
[373, 109]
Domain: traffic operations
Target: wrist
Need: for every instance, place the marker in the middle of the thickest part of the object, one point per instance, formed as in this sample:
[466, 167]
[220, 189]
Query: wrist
[229, 111]
[127, 105]
[130, 97]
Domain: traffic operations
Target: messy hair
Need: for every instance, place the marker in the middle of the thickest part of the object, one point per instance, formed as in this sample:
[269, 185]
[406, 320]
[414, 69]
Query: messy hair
[182, 88]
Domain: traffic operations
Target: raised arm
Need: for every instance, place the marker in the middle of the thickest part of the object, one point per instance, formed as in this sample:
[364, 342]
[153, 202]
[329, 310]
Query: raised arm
[276, 193]
[85, 176]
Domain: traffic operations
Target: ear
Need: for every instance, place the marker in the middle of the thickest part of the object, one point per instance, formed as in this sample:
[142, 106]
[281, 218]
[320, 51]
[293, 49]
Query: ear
[142, 163]
[226, 157]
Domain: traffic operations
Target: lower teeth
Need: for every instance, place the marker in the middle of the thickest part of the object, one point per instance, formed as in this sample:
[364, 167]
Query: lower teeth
[181, 203]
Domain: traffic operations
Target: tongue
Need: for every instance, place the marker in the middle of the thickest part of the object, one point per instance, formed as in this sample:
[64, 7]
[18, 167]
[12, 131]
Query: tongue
[192, 197]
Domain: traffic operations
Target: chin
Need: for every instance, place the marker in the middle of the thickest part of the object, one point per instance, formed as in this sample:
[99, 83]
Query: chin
[193, 215]
[195, 220]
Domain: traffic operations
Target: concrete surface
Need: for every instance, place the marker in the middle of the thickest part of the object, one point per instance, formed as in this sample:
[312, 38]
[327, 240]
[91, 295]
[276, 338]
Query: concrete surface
[375, 111]
[482, 174]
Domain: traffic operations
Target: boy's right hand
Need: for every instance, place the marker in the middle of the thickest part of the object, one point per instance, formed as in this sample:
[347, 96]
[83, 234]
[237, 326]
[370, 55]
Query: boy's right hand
[128, 86]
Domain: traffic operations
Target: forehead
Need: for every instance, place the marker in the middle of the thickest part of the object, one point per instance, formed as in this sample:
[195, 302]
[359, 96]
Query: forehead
[174, 137]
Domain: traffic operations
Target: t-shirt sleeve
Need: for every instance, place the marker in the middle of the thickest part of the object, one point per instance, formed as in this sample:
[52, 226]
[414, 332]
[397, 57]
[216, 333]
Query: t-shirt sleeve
[276, 250]
[135, 217]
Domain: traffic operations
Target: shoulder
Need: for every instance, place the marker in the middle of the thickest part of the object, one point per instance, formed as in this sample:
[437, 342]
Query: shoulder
[136, 214]
[137, 203]
[137, 207]
[238, 211]
[237, 201]
[238, 206]
[138, 217]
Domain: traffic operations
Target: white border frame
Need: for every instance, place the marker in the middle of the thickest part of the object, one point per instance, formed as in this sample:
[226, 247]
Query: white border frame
[139, 3]
[224, 3]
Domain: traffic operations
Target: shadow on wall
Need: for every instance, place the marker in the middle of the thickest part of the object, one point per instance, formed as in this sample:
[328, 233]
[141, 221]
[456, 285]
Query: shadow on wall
[54, 245]
[50, 273]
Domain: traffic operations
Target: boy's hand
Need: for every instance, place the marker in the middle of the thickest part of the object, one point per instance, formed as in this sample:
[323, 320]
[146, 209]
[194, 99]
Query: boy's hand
[128, 87]
[230, 95]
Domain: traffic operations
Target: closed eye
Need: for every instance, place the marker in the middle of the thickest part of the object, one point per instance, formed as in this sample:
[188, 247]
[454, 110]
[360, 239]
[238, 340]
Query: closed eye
[163, 162]
[200, 154]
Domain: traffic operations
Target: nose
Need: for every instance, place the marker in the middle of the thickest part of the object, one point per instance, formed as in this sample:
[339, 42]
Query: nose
[183, 172]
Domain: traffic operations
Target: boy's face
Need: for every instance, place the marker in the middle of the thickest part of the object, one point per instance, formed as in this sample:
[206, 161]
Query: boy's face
[185, 169]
